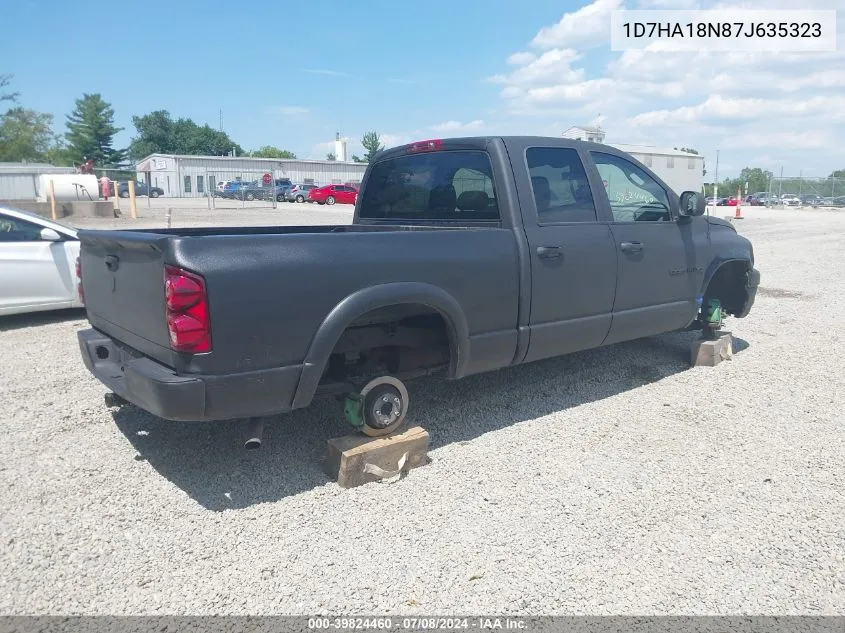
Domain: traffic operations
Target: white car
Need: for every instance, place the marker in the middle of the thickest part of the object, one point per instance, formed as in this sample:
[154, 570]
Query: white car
[790, 200]
[37, 264]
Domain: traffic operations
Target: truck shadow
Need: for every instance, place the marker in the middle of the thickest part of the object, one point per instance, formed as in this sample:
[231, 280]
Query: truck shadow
[35, 319]
[208, 461]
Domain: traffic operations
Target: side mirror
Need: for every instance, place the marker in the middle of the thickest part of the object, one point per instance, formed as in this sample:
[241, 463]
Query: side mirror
[692, 204]
[49, 235]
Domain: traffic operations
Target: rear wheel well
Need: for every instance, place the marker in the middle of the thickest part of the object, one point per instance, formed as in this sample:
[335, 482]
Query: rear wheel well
[728, 286]
[404, 341]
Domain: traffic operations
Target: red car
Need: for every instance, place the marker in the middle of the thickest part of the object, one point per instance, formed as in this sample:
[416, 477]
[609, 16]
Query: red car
[344, 194]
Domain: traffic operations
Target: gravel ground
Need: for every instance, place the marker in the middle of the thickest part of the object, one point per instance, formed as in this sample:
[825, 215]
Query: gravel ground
[616, 481]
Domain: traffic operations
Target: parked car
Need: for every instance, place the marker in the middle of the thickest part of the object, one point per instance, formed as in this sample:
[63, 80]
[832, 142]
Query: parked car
[518, 252]
[280, 188]
[234, 188]
[811, 200]
[712, 202]
[299, 193]
[141, 189]
[753, 201]
[343, 194]
[838, 201]
[728, 202]
[767, 198]
[790, 200]
[37, 263]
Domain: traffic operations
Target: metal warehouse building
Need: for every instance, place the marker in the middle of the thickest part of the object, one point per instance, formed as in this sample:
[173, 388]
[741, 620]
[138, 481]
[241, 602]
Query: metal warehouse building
[680, 170]
[195, 176]
[19, 181]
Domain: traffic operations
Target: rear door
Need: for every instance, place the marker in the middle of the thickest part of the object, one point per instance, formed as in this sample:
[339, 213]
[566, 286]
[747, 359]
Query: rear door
[661, 256]
[573, 259]
[346, 195]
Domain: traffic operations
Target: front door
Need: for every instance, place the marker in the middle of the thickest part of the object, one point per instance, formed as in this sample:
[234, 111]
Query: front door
[661, 256]
[573, 258]
[34, 273]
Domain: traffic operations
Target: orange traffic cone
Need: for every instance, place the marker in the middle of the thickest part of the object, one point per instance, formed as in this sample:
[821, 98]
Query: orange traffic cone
[738, 215]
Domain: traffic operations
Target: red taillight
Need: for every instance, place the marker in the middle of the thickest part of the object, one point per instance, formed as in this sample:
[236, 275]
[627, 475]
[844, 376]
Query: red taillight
[425, 146]
[186, 302]
[79, 291]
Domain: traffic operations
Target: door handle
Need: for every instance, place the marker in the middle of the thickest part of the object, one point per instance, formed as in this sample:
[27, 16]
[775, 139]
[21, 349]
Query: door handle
[549, 252]
[631, 247]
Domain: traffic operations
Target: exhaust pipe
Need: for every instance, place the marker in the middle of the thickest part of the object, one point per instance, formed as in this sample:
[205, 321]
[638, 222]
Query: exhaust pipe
[256, 430]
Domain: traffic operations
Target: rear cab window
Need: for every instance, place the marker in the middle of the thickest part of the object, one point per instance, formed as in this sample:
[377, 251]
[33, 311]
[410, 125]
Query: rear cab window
[443, 186]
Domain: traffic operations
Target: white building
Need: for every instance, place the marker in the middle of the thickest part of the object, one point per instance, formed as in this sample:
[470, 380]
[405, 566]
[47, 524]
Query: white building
[585, 133]
[680, 170]
[194, 176]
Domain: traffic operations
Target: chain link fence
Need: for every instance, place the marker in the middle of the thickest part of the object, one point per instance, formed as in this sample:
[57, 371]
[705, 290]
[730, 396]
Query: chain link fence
[829, 190]
[232, 189]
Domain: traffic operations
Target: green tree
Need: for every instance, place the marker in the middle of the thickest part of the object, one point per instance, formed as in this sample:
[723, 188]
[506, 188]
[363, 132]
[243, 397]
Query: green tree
[757, 179]
[268, 151]
[26, 135]
[158, 133]
[331, 156]
[372, 143]
[91, 131]
[5, 80]
[155, 135]
[839, 173]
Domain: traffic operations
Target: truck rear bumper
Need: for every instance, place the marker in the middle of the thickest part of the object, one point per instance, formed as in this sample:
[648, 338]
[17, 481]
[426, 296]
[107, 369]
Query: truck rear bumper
[159, 390]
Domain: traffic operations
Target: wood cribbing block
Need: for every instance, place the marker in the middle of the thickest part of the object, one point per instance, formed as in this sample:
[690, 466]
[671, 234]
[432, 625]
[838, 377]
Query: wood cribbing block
[357, 459]
[711, 353]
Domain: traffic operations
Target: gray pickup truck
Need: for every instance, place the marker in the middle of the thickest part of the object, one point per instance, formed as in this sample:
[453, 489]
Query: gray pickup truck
[464, 256]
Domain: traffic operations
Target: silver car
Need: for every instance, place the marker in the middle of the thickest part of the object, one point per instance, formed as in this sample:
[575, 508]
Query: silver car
[298, 193]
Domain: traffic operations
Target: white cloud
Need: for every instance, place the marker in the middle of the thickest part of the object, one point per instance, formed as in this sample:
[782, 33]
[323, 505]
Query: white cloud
[292, 110]
[458, 127]
[735, 101]
[393, 140]
[588, 26]
[325, 71]
[809, 139]
[719, 107]
[553, 65]
[520, 59]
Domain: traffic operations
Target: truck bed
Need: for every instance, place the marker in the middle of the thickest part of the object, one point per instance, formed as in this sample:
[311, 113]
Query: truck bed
[270, 288]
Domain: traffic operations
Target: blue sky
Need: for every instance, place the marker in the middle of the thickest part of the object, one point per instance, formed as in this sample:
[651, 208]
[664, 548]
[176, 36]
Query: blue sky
[291, 75]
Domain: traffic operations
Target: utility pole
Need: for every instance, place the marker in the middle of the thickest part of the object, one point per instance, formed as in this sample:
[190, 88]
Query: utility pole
[716, 180]
[221, 119]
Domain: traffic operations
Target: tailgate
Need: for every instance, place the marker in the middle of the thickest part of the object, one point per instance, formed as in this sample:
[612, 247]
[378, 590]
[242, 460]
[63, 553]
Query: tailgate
[123, 282]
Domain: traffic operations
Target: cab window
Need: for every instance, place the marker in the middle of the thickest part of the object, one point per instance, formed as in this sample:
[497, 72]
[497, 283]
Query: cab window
[559, 184]
[442, 186]
[634, 196]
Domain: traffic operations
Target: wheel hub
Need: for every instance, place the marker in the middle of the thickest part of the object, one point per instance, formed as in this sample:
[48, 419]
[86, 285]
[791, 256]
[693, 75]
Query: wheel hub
[386, 410]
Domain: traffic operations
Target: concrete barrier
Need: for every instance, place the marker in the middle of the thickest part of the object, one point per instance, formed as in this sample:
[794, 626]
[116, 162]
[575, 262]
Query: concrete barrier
[79, 208]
